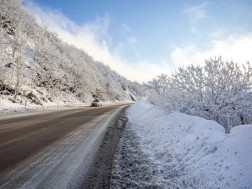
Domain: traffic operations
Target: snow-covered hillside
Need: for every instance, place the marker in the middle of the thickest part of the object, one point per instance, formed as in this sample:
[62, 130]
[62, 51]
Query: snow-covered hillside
[175, 150]
[38, 69]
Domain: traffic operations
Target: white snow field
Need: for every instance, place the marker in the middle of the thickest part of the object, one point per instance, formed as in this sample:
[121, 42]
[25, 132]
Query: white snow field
[192, 152]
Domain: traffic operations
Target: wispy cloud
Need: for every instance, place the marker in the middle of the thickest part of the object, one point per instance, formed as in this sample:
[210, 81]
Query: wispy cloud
[128, 33]
[235, 48]
[196, 14]
[132, 40]
[93, 38]
[125, 28]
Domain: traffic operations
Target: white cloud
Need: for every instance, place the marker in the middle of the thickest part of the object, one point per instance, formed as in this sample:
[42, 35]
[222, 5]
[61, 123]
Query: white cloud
[94, 39]
[236, 48]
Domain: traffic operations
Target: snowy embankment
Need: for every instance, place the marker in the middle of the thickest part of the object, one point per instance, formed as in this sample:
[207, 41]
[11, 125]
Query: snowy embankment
[184, 151]
[8, 107]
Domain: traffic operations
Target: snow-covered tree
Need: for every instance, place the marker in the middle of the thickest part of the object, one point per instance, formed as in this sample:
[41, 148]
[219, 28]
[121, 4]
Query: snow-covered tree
[38, 67]
[218, 90]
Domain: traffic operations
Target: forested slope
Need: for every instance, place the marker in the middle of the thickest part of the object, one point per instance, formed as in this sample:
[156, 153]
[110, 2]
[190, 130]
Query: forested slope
[36, 67]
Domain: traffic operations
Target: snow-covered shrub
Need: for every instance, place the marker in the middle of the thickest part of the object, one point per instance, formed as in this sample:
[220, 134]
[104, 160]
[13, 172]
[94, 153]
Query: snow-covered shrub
[219, 91]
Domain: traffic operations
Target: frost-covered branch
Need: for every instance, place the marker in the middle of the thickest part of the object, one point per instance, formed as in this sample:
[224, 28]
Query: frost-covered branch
[218, 90]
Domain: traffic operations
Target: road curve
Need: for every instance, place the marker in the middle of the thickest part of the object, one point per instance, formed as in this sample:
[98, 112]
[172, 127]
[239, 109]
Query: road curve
[53, 149]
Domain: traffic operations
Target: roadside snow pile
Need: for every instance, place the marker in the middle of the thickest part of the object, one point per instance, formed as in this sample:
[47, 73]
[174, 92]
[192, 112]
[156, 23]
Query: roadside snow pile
[6, 106]
[192, 152]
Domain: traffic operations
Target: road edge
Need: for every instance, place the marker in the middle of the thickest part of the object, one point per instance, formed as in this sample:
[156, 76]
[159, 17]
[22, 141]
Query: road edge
[99, 175]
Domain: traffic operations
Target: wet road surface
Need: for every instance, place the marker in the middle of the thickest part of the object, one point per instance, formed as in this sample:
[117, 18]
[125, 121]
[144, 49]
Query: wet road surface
[52, 149]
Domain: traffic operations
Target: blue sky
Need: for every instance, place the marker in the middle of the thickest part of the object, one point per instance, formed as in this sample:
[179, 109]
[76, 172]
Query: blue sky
[141, 38]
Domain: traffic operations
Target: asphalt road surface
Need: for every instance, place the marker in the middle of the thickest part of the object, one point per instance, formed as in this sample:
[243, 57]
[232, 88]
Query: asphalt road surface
[52, 149]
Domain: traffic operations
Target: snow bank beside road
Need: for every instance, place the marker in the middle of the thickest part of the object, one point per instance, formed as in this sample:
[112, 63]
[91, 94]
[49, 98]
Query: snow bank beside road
[7, 107]
[191, 152]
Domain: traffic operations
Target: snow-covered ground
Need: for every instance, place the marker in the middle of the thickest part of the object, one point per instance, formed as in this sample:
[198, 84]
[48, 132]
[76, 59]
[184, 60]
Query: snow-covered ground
[8, 107]
[180, 151]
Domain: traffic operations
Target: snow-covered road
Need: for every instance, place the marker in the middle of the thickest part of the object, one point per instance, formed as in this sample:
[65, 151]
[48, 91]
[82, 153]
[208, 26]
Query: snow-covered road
[52, 150]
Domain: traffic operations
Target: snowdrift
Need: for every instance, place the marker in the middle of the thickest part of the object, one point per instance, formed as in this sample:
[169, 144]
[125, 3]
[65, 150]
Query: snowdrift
[193, 152]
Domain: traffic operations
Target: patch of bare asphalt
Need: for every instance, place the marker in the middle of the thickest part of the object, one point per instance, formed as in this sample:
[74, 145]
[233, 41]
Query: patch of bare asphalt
[18, 144]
